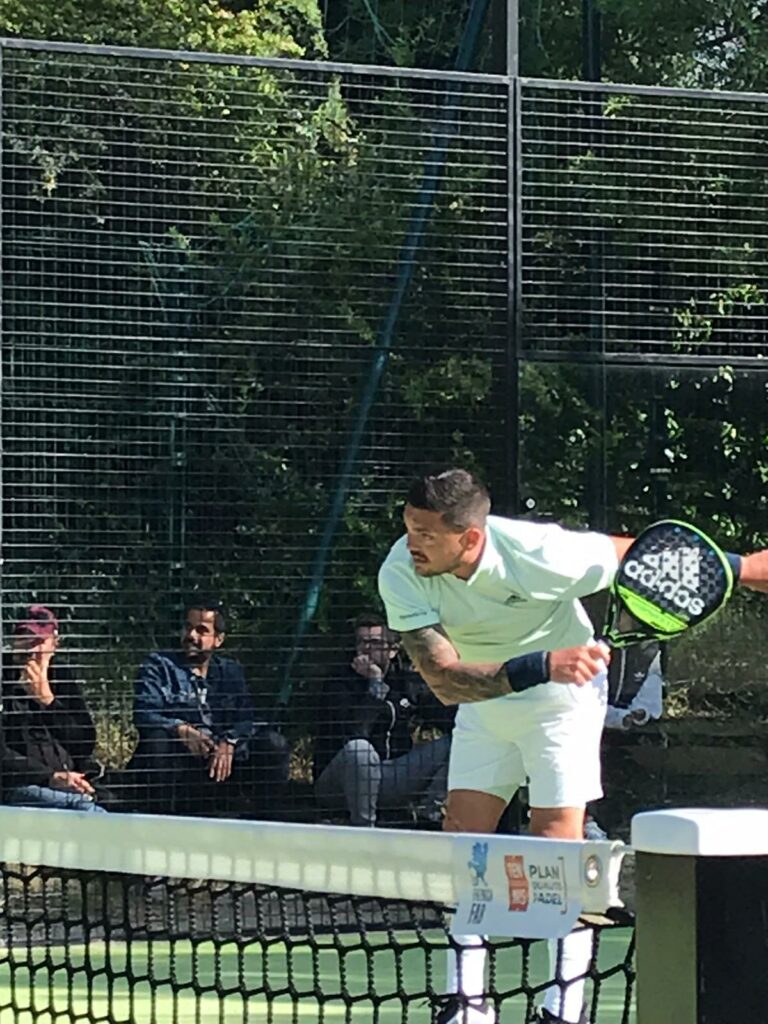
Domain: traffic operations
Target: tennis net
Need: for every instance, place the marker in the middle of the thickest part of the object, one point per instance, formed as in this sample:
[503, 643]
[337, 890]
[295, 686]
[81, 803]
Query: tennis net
[124, 918]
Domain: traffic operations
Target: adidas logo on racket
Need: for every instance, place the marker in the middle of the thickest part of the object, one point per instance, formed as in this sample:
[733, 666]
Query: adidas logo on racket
[671, 578]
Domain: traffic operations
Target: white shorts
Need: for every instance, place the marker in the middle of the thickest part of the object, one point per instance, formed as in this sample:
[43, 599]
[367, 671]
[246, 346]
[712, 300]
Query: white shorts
[548, 736]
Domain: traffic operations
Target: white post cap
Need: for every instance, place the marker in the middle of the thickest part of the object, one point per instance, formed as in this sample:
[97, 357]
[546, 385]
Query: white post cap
[702, 832]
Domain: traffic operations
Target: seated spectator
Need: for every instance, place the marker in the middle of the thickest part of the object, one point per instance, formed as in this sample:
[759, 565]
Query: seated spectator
[364, 755]
[635, 698]
[48, 732]
[200, 745]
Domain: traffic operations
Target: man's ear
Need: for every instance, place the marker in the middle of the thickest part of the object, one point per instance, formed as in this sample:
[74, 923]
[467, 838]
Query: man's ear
[471, 537]
[218, 639]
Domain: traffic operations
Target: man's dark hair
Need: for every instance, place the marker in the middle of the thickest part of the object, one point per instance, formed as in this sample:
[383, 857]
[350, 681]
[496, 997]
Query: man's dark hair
[369, 620]
[456, 494]
[208, 605]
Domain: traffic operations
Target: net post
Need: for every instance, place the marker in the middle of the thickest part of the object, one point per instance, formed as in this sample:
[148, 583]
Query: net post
[701, 902]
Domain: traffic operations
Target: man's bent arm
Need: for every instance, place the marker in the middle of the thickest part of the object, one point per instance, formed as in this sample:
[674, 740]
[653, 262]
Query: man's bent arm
[451, 680]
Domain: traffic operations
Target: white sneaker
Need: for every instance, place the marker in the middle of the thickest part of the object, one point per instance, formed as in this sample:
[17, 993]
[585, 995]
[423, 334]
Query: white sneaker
[456, 1011]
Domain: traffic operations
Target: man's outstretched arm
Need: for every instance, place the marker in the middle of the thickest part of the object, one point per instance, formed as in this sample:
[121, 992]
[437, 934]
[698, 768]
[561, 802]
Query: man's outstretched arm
[457, 682]
[753, 571]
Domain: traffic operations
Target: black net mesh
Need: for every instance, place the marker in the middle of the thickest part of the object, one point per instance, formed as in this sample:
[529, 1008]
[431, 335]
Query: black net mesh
[96, 947]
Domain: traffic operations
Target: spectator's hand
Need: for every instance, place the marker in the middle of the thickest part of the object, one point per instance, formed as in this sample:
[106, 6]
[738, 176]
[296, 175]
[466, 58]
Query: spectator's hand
[221, 761]
[196, 742]
[578, 664]
[72, 782]
[34, 676]
[362, 664]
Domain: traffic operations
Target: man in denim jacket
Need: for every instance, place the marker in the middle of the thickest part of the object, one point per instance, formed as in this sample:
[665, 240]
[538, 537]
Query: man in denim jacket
[201, 748]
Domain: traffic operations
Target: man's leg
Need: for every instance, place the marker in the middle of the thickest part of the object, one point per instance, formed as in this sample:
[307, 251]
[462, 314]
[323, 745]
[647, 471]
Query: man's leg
[554, 740]
[46, 796]
[568, 958]
[166, 774]
[557, 822]
[485, 771]
[420, 775]
[259, 775]
[563, 761]
[355, 772]
[468, 810]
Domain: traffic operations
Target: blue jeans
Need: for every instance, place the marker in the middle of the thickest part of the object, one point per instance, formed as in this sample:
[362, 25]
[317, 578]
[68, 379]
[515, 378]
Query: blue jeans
[359, 780]
[45, 796]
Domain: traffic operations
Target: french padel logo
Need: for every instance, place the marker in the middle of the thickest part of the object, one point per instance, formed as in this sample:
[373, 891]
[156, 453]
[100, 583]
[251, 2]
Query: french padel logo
[674, 575]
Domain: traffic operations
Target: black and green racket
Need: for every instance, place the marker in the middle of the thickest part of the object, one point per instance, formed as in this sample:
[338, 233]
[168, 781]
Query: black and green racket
[671, 578]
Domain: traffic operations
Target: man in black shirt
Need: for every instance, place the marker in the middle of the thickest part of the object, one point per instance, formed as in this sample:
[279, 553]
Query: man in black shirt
[364, 756]
[48, 732]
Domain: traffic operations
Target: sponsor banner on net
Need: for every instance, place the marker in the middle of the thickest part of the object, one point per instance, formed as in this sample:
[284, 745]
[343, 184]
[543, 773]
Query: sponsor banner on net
[518, 887]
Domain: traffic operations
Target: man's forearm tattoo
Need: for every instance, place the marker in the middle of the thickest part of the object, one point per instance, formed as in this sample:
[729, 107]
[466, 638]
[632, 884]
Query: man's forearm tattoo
[435, 658]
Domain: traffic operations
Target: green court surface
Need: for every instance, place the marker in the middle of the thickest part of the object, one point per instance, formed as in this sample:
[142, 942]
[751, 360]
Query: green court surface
[81, 984]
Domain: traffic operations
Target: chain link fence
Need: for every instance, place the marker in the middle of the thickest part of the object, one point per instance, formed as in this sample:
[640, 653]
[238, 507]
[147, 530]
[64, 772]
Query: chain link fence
[244, 301]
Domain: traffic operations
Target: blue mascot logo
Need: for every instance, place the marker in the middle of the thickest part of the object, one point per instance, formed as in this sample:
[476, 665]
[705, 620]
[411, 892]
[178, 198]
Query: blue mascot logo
[479, 863]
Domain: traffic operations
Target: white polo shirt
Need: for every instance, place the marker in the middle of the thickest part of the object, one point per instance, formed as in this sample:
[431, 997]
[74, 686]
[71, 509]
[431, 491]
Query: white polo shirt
[523, 596]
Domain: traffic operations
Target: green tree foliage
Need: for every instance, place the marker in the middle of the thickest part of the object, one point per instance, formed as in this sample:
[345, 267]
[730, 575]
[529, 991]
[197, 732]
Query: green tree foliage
[395, 31]
[235, 320]
[285, 28]
[713, 43]
[223, 242]
[709, 43]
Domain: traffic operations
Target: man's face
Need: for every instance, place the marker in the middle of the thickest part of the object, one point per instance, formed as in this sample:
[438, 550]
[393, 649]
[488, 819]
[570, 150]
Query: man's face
[374, 642]
[435, 548]
[199, 638]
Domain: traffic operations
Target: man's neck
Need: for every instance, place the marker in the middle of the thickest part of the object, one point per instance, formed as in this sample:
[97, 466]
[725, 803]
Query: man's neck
[199, 668]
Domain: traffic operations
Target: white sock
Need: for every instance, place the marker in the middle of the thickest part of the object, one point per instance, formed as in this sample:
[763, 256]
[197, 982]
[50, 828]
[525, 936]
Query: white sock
[466, 966]
[566, 1001]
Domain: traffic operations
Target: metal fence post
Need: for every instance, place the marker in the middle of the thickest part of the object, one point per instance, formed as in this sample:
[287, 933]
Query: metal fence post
[701, 901]
[2, 339]
[510, 496]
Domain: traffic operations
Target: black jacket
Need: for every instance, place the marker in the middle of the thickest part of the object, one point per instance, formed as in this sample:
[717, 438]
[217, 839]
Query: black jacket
[628, 670]
[38, 740]
[346, 710]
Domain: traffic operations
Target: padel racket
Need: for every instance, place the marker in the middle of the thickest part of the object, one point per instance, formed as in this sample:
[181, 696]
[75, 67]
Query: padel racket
[671, 578]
